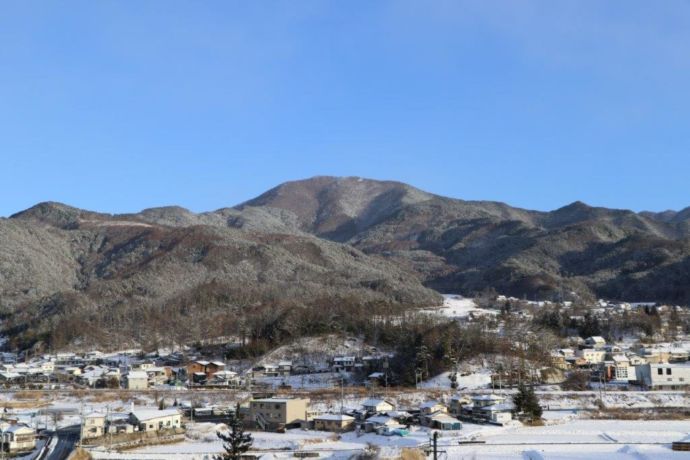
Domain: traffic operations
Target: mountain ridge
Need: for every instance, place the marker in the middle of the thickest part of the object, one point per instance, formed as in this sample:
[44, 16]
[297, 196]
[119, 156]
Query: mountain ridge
[295, 240]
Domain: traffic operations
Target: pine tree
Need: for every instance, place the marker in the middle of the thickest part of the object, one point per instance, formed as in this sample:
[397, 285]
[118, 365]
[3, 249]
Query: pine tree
[526, 402]
[235, 440]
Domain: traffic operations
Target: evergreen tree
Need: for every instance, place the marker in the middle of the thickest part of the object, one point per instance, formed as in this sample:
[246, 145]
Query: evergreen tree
[526, 402]
[235, 440]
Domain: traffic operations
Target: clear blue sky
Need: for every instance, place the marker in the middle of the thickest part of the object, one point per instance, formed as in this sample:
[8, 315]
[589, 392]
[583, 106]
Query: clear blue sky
[117, 106]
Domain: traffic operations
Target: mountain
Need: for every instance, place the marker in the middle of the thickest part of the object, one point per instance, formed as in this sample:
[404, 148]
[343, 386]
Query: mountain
[307, 256]
[69, 276]
[467, 246]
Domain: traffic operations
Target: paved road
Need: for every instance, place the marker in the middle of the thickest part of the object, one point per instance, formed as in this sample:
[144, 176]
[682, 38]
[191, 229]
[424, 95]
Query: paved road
[67, 439]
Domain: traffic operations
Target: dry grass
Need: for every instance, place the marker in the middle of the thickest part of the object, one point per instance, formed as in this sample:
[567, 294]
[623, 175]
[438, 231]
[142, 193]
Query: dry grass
[80, 454]
[29, 395]
[24, 404]
[103, 397]
[642, 414]
[412, 454]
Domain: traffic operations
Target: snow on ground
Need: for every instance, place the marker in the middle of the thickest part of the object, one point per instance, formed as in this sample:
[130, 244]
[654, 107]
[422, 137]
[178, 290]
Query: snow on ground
[577, 439]
[313, 350]
[465, 382]
[458, 307]
[308, 381]
[569, 439]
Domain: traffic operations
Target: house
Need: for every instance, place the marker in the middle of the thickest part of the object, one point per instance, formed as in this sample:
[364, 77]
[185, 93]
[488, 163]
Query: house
[284, 368]
[228, 378]
[479, 401]
[17, 437]
[158, 375]
[431, 407]
[343, 363]
[620, 369]
[155, 420]
[498, 413]
[595, 341]
[670, 376]
[9, 376]
[334, 422]
[93, 425]
[137, 380]
[273, 414]
[377, 422]
[442, 421]
[208, 368]
[591, 355]
[457, 402]
[376, 378]
[428, 409]
[377, 405]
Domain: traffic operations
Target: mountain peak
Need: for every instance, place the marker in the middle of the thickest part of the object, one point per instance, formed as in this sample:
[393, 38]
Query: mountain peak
[52, 213]
[339, 206]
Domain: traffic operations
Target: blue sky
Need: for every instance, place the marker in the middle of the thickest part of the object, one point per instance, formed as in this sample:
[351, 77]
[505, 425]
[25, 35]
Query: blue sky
[117, 106]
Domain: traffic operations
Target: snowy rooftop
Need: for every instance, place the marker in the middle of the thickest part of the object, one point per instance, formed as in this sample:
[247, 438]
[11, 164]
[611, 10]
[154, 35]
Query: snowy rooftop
[149, 414]
[335, 417]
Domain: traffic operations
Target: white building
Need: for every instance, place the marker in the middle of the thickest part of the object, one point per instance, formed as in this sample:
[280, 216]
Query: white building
[622, 370]
[137, 380]
[591, 355]
[377, 405]
[664, 376]
[156, 420]
[18, 437]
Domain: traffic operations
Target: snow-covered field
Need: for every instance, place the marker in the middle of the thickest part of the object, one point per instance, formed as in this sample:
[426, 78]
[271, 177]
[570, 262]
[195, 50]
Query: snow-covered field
[458, 307]
[307, 381]
[564, 439]
[580, 439]
[467, 382]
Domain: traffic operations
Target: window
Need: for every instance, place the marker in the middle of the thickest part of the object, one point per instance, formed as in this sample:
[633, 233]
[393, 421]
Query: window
[668, 371]
[277, 406]
[660, 371]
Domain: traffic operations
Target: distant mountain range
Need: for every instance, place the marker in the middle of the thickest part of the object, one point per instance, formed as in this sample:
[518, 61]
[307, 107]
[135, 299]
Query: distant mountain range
[326, 238]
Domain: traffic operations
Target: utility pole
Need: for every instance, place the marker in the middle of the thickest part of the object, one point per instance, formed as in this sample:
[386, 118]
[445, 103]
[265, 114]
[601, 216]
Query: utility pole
[435, 440]
[81, 422]
[342, 394]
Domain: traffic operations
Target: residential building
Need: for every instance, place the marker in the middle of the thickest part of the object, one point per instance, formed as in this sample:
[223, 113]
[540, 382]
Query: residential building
[17, 437]
[377, 422]
[377, 405]
[93, 425]
[591, 355]
[670, 376]
[208, 368]
[343, 363]
[155, 420]
[334, 422]
[498, 413]
[619, 369]
[137, 380]
[431, 407]
[457, 402]
[596, 342]
[272, 414]
[443, 421]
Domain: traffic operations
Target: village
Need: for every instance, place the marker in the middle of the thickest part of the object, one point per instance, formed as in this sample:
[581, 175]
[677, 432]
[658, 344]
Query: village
[113, 403]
